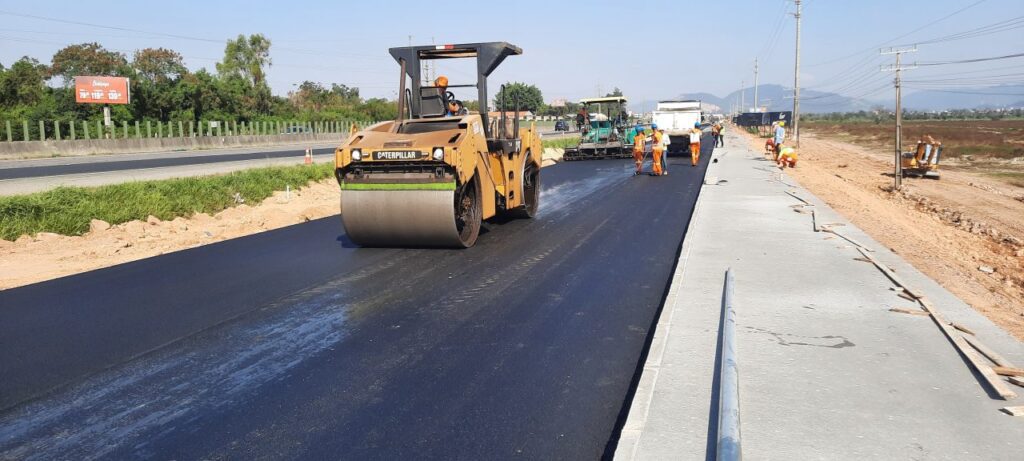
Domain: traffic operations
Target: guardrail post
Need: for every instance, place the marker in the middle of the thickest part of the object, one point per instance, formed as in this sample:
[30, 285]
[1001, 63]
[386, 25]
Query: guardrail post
[191, 128]
[56, 130]
[159, 129]
[99, 130]
[10, 137]
[71, 129]
[124, 127]
[181, 129]
[42, 131]
[138, 134]
[149, 129]
[728, 447]
[234, 127]
[85, 129]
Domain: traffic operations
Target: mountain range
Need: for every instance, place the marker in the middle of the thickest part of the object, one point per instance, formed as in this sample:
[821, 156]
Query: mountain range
[778, 98]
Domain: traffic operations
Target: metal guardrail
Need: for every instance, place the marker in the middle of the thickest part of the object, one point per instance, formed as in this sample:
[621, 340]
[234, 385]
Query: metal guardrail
[729, 447]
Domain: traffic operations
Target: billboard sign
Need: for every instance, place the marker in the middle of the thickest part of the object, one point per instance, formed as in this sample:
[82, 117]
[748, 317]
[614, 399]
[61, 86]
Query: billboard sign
[102, 90]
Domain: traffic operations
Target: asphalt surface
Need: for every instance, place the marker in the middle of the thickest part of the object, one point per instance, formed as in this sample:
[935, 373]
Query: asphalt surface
[294, 343]
[137, 164]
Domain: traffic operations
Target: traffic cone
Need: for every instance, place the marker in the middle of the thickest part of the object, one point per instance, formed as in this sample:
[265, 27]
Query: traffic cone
[309, 156]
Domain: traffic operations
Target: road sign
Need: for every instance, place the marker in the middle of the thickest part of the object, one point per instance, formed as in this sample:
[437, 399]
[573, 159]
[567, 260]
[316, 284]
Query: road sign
[102, 90]
[558, 102]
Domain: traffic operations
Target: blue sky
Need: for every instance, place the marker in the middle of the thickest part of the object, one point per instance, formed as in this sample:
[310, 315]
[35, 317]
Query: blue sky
[650, 49]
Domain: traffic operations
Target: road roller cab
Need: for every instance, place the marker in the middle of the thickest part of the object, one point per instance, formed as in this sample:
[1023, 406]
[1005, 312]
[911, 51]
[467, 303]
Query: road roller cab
[429, 178]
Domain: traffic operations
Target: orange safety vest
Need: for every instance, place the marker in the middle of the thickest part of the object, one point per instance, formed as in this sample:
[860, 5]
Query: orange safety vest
[638, 142]
[656, 138]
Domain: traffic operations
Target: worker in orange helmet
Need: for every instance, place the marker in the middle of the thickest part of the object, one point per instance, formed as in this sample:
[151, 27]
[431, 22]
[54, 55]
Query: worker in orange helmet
[657, 149]
[695, 135]
[787, 157]
[639, 140]
[441, 82]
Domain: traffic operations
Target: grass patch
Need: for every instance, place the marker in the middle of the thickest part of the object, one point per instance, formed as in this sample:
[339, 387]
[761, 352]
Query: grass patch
[1013, 178]
[561, 143]
[68, 210]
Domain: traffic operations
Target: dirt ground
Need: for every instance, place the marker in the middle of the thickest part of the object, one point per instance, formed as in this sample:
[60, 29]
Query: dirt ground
[45, 256]
[965, 231]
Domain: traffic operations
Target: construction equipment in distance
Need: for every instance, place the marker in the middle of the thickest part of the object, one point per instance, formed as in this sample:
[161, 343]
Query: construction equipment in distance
[429, 179]
[924, 161]
[605, 137]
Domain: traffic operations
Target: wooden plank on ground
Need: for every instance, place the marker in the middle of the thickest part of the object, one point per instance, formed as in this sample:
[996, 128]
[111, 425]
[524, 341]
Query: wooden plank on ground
[1008, 371]
[961, 328]
[889, 273]
[909, 311]
[848, 239]
[1017, 381]
[903, 294]
[976, 360]
[988, 352]
[797, 197]
[1013, 411]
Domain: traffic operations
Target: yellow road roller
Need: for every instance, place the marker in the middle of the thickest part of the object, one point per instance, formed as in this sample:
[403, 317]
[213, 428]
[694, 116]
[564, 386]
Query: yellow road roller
[431, 176]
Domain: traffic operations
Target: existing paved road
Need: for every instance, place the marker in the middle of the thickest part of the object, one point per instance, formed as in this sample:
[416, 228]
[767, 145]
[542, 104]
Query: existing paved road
[35, 175]
[293, 343]
[65, 166]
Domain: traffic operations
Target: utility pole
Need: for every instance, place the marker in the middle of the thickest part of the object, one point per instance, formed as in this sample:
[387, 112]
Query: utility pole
[743, 95]
[756, 107]
[796, 80]
[898, 169]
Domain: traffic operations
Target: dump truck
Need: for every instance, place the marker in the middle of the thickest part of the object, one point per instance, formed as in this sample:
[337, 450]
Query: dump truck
[605, 135]
[677, 119]
[924, 161]
[430, 177]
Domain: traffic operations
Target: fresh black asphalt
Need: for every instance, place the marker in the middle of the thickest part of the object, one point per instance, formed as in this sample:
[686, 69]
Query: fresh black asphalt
[296, 344]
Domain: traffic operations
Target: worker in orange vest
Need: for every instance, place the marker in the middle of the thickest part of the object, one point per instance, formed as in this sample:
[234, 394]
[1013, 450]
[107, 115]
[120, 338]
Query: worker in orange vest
[695, 135]
[656, 148]
[639, 139]
[787, 157]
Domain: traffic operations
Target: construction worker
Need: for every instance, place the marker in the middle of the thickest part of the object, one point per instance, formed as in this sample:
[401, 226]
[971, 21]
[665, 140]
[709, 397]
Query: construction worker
[639, 140]
[656, 149]
[780, 137]
[695, 135]
[714, 134]
[455, 109]
[787, 157]
[721, 135]
[665, 141]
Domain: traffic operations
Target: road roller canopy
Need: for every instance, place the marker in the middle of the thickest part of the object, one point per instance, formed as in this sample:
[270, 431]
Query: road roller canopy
[609, 99]
[425, 100]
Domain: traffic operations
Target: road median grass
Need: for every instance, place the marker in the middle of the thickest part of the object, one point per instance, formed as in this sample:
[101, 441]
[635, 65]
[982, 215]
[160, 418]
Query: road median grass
[68, 210]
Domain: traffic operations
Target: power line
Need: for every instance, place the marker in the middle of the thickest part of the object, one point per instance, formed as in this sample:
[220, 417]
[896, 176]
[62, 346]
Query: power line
[966, 61]
[1001, 26]
[967, 92]
[168, 35]
[872, 48]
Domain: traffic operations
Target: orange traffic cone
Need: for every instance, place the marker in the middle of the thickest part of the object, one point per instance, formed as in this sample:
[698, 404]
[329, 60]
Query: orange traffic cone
[309, 156]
